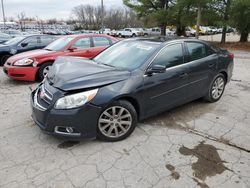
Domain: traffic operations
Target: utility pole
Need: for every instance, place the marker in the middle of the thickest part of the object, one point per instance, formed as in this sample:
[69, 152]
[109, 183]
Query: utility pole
[102, 7]
[3, 16]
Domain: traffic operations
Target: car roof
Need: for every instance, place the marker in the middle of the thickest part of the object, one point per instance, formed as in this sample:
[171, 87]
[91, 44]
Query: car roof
[33, 35]
[165, 39]
[88, 35]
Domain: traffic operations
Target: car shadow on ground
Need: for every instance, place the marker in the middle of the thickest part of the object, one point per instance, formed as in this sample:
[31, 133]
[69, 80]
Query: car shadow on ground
[179, 116]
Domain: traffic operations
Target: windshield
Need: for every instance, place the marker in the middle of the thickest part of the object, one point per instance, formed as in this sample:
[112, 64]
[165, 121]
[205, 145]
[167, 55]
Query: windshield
[127, 54]
[59, 43]
[14, 40]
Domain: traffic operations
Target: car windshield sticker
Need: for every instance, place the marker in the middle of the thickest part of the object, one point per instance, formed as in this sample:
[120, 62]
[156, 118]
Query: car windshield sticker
[142, 47]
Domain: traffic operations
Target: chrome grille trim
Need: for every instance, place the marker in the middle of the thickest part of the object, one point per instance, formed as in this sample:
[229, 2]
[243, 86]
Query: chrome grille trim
[36, 102]
[44, 102]
[47, 93]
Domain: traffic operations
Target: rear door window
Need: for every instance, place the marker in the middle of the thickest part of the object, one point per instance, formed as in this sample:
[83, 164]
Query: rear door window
[101, 41]
[45, 40]
[209, 50]
[196, 50]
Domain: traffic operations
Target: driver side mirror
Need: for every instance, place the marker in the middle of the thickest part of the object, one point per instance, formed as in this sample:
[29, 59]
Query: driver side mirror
[24, 44]
[156, 69]
[72, 48]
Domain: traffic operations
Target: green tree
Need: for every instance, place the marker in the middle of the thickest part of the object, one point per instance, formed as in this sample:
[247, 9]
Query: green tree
[156, 9]
[199, 5]
[181, 15]
[222, 10]
[241, 18]
[191, 12]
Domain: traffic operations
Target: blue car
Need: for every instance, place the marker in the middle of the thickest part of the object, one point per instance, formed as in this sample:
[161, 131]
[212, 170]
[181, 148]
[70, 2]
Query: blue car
[22, 44]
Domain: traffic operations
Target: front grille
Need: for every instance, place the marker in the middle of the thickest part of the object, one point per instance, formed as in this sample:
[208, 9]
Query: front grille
[43, 97]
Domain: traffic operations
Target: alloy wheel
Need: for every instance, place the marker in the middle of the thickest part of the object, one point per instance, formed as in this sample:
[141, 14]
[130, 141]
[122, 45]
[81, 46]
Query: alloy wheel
[46, 70]
[218, 87]
[115, 122]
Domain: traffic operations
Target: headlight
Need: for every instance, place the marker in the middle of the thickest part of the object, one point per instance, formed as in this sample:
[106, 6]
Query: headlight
[75, 100]
[24, 62]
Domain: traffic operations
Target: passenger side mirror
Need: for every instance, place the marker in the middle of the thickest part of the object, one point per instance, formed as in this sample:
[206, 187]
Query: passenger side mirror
[24, 44]
[156, 69]
[72, 48]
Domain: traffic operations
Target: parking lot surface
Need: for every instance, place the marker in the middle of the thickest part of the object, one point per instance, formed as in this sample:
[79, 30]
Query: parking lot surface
[196, 145]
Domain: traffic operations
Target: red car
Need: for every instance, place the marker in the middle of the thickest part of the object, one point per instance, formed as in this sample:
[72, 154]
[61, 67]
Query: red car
[34, 65]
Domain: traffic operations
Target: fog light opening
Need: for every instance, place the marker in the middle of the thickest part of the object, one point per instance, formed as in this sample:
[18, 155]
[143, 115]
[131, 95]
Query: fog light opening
[69, 129]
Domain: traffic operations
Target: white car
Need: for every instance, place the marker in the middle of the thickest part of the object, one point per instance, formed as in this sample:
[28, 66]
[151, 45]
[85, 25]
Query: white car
[190, 32]
[206, 30]
[170, 32]
[144, 31]
[128, 32]
[106, 31]
[154, 31]
[214, 30]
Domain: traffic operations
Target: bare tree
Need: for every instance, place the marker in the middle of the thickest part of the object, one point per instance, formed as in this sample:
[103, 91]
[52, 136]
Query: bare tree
[21, 20]
[90, 17]
[52, 21]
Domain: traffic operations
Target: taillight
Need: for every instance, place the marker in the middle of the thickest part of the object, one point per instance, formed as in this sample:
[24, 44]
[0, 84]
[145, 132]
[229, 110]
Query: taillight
[231, 55]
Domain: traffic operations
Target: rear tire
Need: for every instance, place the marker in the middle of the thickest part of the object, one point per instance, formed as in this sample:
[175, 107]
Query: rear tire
[43, 70]
[117, 121]
[216, 89]
[4, 59]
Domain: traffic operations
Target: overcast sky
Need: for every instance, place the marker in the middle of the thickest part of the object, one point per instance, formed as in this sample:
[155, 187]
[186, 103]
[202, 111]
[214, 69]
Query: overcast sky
[50, 8]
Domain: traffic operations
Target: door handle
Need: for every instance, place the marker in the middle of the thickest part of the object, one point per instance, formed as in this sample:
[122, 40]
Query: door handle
[183, 75]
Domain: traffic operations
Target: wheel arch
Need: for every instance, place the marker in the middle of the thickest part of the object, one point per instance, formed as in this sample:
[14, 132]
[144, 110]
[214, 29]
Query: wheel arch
[2, 55]
[133, 101]
[224, 73]
[39, 65]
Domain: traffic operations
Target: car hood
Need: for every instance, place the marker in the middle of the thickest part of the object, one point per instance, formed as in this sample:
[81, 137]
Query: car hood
[74, 73]
[31, 54]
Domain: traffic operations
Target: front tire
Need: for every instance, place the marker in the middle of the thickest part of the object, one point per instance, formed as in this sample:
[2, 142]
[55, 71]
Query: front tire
[117, 121]
[43, 70]
[216, 88]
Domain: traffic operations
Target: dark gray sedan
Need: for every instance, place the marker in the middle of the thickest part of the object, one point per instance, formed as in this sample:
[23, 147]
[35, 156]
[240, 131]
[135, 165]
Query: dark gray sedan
[134, 79]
